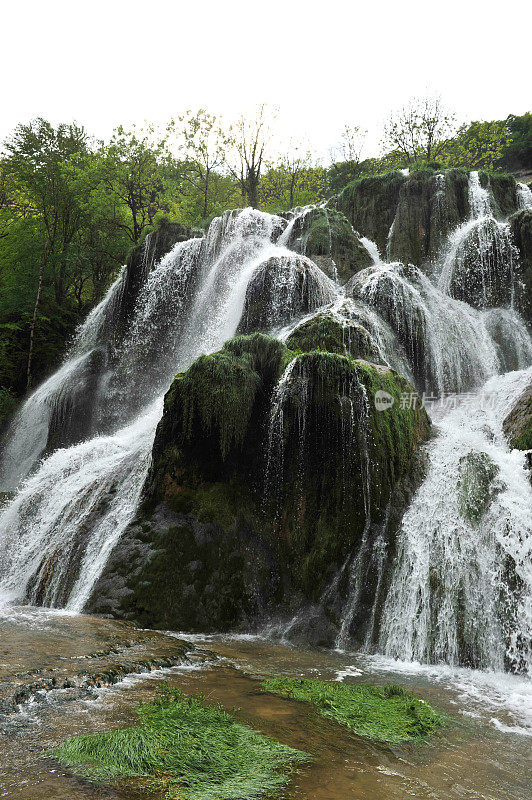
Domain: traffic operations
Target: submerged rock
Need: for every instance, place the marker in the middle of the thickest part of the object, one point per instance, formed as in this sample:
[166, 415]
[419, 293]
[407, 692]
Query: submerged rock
[476, 486]
[229, 533]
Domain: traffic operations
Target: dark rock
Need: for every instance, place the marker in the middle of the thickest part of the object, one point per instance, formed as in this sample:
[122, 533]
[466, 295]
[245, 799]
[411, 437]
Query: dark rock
[517, 425]
[521, 227]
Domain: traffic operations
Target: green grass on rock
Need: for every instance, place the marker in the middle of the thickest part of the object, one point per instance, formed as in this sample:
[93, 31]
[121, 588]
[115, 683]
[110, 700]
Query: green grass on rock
[184, 749]
[385, 713]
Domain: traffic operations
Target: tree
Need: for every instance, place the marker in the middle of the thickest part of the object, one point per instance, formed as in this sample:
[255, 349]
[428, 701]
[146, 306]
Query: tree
[204, 145]
[478, 145]
[293, 180]
[36, 156]
[135, 165]
[248, 139]
[518, 153]
[418, 130]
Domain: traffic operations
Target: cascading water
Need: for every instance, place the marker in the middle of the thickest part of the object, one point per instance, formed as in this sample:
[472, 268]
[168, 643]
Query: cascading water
[524, 196]
[462, 588]
[479, 262]
[57, 532]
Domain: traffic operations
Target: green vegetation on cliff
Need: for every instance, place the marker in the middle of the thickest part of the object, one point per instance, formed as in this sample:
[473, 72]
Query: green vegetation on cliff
[334, 335]
[185, 749]
[387, 713]
[518, 424]
[370, 203]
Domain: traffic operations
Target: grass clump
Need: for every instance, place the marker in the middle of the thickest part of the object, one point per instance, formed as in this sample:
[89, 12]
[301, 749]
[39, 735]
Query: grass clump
[184, 749]
[385, 713]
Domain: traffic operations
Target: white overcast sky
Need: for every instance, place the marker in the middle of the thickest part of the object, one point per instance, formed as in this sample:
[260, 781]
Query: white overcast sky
[324, 63]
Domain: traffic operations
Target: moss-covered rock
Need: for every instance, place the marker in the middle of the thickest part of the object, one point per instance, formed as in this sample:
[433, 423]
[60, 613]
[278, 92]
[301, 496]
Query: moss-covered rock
[503, 189]
[335, 334]
[521, 227]
[431, 204]
[476, 485]
[370, 205]
[517, 425]
[268, 467]
[326, 236]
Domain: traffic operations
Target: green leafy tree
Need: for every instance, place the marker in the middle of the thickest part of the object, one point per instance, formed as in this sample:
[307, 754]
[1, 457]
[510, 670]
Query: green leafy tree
[136, 165]
[479, 145]
[418, 130]
[204, 144]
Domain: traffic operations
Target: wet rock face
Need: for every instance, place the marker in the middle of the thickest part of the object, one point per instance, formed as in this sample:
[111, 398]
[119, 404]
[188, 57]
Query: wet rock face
[517, 425]
[265, 469]
[144, 257]
[430, 205]
[370, 205]
[282, 288]
[326, 236]
[410, 217]
[485, 268]
[521, 227]
[476, 485]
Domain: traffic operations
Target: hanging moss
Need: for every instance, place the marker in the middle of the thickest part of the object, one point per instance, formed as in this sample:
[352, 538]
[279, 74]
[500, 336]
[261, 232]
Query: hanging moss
[370, 204]
[217, 393]
[274, 480]
[325, 332]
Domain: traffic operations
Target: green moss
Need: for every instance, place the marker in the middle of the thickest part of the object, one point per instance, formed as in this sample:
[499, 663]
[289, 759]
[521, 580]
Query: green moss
[370, 204]
[518, 424]
[476, 473]
[325, 235]
[325, 332]
[185, 749]
[503, 188]
[301, 492]
[388, 713]
[189, 582]
[395, 431]
[218, 391]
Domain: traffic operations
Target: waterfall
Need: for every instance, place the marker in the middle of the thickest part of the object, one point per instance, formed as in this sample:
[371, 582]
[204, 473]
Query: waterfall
[524, 196]
[479, 260]
[448, 343]
[462, 586]
[56, 533]
[27, 436]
